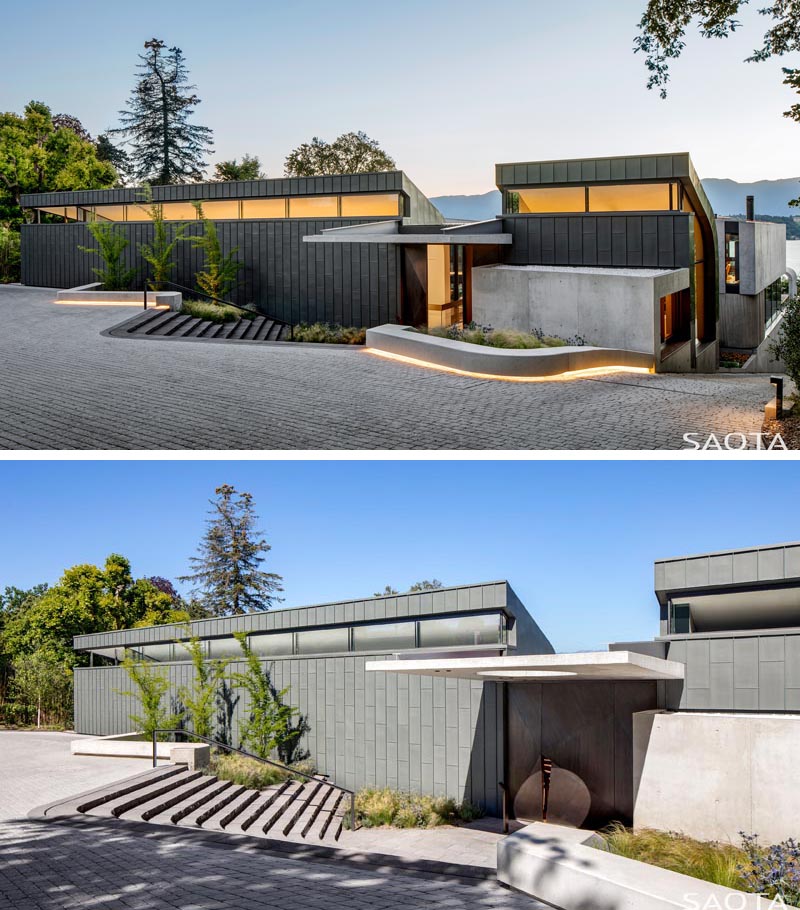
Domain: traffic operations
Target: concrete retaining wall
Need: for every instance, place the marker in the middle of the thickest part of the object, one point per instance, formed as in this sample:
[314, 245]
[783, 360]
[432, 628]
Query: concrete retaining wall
[613, 308]
[561, 867]
[713, 775]
[473, 358]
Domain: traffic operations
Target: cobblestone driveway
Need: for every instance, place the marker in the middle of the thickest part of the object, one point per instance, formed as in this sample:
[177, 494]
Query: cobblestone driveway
[64, 385]
[44, 866]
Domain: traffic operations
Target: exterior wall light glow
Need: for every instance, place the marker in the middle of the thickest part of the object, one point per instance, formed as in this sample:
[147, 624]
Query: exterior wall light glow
[526, 674]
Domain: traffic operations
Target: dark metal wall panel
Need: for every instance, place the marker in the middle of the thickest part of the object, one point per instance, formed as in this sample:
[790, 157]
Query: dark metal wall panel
[282, 276]
[621, 241]
[441, 737]
[593, 170]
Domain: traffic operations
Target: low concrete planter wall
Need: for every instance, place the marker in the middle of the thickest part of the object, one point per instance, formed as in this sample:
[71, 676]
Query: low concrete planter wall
[125, 745]
[93, 294]
[557, 865]
[474, 358]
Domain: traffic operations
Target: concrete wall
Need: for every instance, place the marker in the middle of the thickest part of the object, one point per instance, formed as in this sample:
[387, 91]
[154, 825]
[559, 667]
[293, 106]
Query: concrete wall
[713, 775]
[435, 736]
[741, 320]
[609, 308]
[737, 671]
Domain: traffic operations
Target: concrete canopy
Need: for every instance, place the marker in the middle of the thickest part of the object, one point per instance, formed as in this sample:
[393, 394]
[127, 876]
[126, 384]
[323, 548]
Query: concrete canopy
[605, 665]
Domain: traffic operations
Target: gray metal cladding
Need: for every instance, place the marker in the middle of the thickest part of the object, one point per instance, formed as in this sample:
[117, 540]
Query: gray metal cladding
[284, 277]
[622, 241]
[434, 736]
[464, 598]
[739, 672]
[593, 170]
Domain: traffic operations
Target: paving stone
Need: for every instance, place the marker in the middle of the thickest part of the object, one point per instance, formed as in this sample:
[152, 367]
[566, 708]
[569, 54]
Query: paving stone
[64, 385]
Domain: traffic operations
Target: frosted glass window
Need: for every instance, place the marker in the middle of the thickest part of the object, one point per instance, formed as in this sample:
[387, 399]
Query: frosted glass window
[222, 209]
[179, 211]
[138, 212]
[460, 630]
[271, 644]
[110, 212]
[552, 199]
[156, 652]
[263, 208]
[314, 207]
[374, 204]
[323, 641]
[392, 636]
[631, 197]
[224, 647]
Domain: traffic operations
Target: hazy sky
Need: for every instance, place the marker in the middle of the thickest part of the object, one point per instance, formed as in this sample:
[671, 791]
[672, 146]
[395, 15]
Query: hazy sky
[449, 87]
[576, 540]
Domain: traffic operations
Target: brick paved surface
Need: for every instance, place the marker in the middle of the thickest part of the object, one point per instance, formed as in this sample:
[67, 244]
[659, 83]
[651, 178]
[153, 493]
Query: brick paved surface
[64, 385]
[44, 865]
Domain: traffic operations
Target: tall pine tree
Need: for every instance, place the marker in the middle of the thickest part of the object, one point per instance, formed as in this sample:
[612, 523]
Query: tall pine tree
[165, 147]
[227, 574]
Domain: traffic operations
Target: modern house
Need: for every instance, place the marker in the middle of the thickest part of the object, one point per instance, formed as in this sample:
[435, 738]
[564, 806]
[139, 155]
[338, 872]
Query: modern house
[754, 282]
[458, 692]
[620, 252]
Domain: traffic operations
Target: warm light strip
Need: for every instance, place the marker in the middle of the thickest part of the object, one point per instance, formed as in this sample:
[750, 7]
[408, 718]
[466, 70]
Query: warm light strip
[570, 374]
[152, 306]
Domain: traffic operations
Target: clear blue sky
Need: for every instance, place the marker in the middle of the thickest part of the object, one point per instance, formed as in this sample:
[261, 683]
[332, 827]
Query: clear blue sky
[576, 540]
[449, 87]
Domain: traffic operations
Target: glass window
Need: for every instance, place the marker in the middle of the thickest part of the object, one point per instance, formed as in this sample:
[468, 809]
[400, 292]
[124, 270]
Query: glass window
[460, 630]
[222, 209]
[552, 199]
[157, 652]
[773, 301]
[681, 623]
[374, 204]
[223, 647]
[314, 207]
[323, 641]
[271, 644]
[390, 636]
[633, 197]
[137, 212]
[179, 211]
[731, 262]
[110, 212]
[263, 208]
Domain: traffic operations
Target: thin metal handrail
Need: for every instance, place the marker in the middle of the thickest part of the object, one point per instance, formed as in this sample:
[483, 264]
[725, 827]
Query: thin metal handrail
[265, 761]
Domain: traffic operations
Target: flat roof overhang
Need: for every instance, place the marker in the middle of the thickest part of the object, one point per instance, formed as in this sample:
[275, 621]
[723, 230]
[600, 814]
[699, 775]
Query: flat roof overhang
[589, 665]
[483, 233]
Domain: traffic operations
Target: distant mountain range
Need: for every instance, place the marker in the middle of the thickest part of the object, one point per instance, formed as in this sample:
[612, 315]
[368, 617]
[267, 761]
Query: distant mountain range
[727, 198]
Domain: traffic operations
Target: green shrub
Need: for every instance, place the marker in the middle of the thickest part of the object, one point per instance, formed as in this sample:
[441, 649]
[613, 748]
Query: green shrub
[221, 274]
[500, 338]
[9, 254]
[326, 333]
[377, 807]
[111, 245]
[787, 347]
[721, 864]
[247, 772]
[214, 312]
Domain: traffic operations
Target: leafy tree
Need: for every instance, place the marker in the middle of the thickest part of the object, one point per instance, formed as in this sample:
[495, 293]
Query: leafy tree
[37, 156]
[10, 254]
[150, 686]
[166, 147]
[268, 721]
[200, 699]
[419, 586]
[665, 22]
[248, 169]
[159, 254]
[43, 682]
[388, 591]
[792, 79]
[351, 153]
[787, 346]
[68, 122]
[111, 246]
[227, 573]
[220, 275]
[115, 155]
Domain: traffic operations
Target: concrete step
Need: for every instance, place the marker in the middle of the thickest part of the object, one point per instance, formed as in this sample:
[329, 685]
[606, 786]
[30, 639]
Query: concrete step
[273, 814]
[180, 326]
[293, 812]
[161, 325]
[215, 805]
[312, 808]
[142, 794]
[160, 803]
[192, 804]
[220, 820]
[277, 332]
[138, 323]
[246, 819]
[197, 328]
[240, 328]
[321, 823]
[117, 790]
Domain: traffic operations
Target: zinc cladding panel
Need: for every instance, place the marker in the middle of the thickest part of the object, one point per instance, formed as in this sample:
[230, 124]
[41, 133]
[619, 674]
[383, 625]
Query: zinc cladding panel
[443, 737]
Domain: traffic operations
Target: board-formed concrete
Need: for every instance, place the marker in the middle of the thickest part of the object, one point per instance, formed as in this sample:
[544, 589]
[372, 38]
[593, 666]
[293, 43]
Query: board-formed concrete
[712, 776]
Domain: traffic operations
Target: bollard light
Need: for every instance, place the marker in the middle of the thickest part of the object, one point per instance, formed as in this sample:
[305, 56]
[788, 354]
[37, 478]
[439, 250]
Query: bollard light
[777, 381]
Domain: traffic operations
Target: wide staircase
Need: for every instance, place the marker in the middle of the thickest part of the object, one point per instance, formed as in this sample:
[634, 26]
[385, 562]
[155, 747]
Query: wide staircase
[167, 324]
[310, 811]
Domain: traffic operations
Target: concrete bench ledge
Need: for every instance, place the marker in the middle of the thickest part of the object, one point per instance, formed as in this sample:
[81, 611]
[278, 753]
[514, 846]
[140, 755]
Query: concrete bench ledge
[403, 341]
[125, 745]
[560, 867]
[95, 295]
